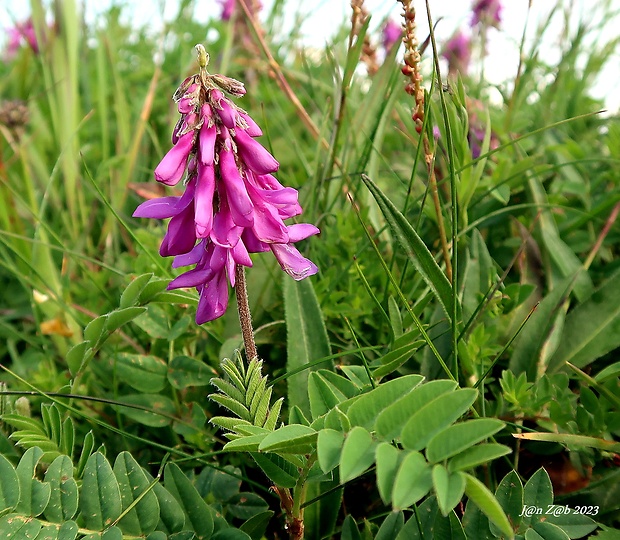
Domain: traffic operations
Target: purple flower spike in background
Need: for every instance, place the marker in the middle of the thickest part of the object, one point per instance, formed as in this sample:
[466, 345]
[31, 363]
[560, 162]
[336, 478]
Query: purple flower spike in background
[486, 12]
[392, 34]
[232, 205]
[458, 53]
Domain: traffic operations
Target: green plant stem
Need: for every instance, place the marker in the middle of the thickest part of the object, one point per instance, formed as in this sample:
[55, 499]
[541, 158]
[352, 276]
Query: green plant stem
[296, 528]
[245, 316]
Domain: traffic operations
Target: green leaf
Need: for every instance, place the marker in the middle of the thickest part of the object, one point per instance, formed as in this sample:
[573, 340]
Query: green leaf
[293, 439]
[132, 291]
[87, 448]
[306, 340]
[19, 527]
[245, 505]
[391, 526]
[573, 524]
[390, 421]
[94, 329]
[475, 523]
[574, 441]
[396, 358]
[279, 470]
[255, 526]
[358, 453]
[592, 329]
[415, 249]
[538, 492]
[68, 531]
[549, 531]
[154, 321]
[171, 515]
[153, 288]
[509, 494]
[142, 372]
[413, 481]
[230, 534]
[459, 437]
[322, 395]
[33, 494]
[120, 317]
[9, 486]
[449, 488]
[245, 444]
[388, 460]
[135, 486]
[155, 402]
[195, 508]
[477, 455]
[436, 416]
[363, 412]
[185, 371]
[529, 344]
[349, 529]
[100, 496]
[329, 447]
[64, 499]
[487, 503]
[75, 356]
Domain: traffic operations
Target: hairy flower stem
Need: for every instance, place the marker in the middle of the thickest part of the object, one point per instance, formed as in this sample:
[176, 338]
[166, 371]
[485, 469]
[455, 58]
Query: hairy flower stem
[245, 316]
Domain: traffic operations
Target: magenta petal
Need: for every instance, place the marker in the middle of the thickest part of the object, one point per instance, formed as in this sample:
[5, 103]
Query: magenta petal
[240, 254]
[171, 168]
[225, 233]
[254, 155]
[180, 237]
[204, 200]
[241, 207]
[227, 114]
[192, 278]
[252, 130]
[230, 267]
[213, 299]
[161, 208]
[192, 257]
[253, 244]
[206, 137]
[293, 262]
[301, 231]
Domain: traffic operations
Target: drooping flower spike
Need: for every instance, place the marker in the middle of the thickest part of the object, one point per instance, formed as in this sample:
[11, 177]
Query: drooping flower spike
[232, 205]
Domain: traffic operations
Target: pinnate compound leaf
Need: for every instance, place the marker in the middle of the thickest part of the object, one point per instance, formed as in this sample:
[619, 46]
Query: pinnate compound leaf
[435, 416]
[390, 421]
[477, 492]
[135, 486]
[413, 481]
[416, 250]
[100, 496]
[459, 437]
[9, 486]
[34, 494]
[64, 499]
[477, 455]
[363, 412]
[142, 372]
[358, 453]
[185, 371]
[329, 447]
[195, 508]
[293, 439]
[449, 488]
[322, 395]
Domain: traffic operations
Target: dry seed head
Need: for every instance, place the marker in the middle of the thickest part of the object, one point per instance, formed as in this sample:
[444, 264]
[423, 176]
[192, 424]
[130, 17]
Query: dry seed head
[411, 69]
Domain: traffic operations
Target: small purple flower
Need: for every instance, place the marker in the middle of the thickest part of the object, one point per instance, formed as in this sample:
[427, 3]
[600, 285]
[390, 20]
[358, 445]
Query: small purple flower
[487, 12]
[228, 7]
[457, 52]
[392, 34]
[18, 34]
[232, 205]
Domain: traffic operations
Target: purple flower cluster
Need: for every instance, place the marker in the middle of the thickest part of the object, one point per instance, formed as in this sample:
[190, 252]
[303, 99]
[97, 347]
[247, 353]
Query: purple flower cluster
[487, 12]
[232, 204]
[457, 52]
[392, 34]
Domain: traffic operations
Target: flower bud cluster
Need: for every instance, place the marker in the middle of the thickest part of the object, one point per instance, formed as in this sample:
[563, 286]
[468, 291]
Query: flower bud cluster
[232, 204]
